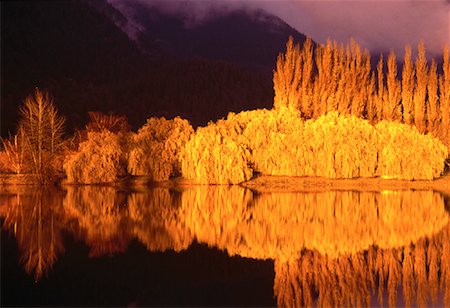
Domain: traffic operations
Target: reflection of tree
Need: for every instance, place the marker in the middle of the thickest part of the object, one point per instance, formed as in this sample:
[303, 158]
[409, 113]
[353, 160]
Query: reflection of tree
[350, 280]
[36, 220]
[279, 225]
[330, 248]
[99, 211]
[108, 218]
[155, 222]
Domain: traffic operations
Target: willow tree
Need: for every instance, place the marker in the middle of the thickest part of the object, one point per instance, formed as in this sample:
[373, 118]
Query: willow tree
[43, 128]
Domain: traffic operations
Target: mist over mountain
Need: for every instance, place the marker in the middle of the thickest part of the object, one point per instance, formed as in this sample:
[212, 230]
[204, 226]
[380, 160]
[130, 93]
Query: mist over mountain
[251, 38]
[83, 54]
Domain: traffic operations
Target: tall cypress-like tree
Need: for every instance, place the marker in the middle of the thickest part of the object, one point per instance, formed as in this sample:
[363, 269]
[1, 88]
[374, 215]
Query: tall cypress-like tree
[407, 87]
[393, 97]
[306, 81]
[433, 114]
[444, 97]
[287, 77]
[420, 89]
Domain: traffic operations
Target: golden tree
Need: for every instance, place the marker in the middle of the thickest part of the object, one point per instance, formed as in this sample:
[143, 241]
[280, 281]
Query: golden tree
[407, 87]
[156, 148]
[287, 77]
[444, 98]
[433, 115]
[420, 89]
[391, 111]
[102, 158]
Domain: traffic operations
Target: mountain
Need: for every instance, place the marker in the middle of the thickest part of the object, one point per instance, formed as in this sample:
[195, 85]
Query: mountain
[249, 37]
[80, 51]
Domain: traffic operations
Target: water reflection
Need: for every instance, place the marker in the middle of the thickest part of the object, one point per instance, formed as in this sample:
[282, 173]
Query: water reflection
[329, 248]
[36, 220]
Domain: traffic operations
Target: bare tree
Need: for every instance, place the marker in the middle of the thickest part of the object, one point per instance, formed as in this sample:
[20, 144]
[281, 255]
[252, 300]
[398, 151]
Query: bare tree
[43, 128]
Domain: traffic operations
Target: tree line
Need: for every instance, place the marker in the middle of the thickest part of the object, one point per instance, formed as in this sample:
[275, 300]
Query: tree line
[334, 77]
[331, 118]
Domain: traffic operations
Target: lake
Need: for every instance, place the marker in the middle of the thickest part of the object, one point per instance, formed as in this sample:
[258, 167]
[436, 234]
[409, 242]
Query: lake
[223, 246]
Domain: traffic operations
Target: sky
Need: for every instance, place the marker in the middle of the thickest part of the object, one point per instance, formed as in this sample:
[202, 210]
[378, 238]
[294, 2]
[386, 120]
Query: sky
[378, 25]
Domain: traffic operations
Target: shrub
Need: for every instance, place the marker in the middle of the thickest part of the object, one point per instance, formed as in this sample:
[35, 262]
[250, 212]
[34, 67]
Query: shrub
[156, 148]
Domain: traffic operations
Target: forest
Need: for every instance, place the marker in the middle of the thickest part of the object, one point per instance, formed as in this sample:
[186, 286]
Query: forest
[333, 117]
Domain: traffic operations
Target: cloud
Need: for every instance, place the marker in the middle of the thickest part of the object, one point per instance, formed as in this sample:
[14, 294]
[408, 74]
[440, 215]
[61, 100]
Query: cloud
[376, 25]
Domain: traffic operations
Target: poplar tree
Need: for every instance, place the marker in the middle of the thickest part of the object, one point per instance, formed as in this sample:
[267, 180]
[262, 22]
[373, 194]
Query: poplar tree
[380, 99]
[407, 87]
[444, 97]
[433, 114]
[306, 80]
[391, 108]
[287, 77]
[420, 89]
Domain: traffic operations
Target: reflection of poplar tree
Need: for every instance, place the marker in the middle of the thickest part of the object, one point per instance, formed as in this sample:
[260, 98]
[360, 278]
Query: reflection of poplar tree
[408, 276]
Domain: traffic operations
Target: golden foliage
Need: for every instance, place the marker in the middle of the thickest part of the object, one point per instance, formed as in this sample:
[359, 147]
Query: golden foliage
[402, 148]
[343, 81]
[279, 142]
[99, 159]
[156, 148]
[214, 155]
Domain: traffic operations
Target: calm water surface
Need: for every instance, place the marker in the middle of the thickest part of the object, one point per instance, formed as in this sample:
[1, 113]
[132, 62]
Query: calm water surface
[223, 246]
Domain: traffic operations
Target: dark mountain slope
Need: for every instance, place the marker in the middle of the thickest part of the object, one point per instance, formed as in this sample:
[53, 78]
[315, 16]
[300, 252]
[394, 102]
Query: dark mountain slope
[250, 38]
[59, 44]
[75, 50]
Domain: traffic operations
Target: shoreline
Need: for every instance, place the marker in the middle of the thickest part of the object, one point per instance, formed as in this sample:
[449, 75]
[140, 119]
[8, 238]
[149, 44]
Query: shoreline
[265, 183]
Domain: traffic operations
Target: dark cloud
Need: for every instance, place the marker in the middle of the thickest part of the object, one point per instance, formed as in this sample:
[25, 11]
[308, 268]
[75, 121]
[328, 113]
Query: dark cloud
[376, 25]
